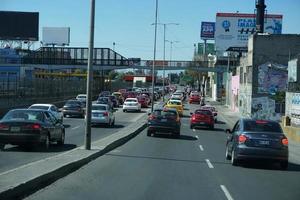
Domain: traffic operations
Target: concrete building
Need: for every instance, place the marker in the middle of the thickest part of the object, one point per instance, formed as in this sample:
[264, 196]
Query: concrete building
[263, 74]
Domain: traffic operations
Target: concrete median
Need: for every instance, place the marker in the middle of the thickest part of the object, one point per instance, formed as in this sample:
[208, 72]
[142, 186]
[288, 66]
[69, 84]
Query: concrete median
[27, 179]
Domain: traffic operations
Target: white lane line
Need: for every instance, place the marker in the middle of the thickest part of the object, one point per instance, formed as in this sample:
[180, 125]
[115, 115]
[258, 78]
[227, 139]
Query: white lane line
[209, 164]
[194, 130]
[197, 137]
[226, 192]
[201, 147]
[76, 127]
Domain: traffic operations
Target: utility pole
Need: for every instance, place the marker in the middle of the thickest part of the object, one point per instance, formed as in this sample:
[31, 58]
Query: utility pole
[90, 79]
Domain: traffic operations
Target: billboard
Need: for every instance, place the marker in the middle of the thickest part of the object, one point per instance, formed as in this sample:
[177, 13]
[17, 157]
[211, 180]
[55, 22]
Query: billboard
[233, 29]
[210, 48]
[19, 25]
[207, 30]
[56, 35]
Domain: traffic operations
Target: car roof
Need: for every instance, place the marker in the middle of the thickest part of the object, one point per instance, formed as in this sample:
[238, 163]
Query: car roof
[81, 95]
[175, 100]
[131, 99]
[42, 104]
[100, 104]
[30, 109]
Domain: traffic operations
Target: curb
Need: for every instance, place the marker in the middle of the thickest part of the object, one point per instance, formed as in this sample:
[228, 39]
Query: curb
[29, 187]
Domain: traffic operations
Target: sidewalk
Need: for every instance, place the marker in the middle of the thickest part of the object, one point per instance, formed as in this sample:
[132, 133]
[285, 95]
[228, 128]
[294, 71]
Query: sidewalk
[230, 118]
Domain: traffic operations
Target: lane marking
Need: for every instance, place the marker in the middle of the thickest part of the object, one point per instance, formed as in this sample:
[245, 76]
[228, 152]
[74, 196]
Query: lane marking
[209, 164]
[226, 192]
[197, 137]
[76, 127]
[201, 147]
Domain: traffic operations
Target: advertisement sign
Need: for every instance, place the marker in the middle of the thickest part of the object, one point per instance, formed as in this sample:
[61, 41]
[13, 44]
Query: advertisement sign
[233, 29]
[207, 30]
[56, 35]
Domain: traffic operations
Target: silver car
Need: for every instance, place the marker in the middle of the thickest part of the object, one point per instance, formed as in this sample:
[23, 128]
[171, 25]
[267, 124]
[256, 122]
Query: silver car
[51, 108]
[102, 114]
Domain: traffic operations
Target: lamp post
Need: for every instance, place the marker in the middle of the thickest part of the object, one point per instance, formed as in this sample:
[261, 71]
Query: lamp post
[171, 48]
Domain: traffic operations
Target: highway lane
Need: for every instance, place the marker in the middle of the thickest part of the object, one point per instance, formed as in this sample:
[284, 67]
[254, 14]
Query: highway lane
[190, 167]
[13, 156]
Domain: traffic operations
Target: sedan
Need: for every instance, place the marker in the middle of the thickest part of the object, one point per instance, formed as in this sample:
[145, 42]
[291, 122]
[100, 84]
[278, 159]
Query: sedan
[212, 109]
[165, 120]
[175, 104]
[202, 118]
[51, 108]
[131, 104]
[28, 127]
[194, 98]
[257, 139]
[73, 108]
[105, 100]
[102, 114]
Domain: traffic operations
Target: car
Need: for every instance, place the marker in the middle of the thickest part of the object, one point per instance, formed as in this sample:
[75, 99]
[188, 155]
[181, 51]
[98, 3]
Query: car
[202, 117]
[212, 109]
[164, 120]
[130, 95]
[73, 108]
[102, 114]
[175, 104]
[177, 95]
[194, 98]
[114, 100]
[175, 98]
[122, 91]
[51, 108]
[104, 94]
[257, 139]
[143, 101]
[131, 104]
[147, 98]
[119, 97]
[82, 98]
[30, 127]
[105, 100]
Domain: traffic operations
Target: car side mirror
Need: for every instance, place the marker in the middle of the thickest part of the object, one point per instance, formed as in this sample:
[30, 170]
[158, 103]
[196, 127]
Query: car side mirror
[228, 131]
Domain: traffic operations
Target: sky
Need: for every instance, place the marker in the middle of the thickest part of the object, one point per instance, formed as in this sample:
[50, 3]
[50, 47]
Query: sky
[128, 22]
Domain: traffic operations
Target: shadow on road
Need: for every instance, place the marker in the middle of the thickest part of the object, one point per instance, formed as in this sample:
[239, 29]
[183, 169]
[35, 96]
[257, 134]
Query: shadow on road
[53, 148]
[181, 137]
[269, 165]
[208, 129]
[67, 125]
[220, 122]
[106, 126]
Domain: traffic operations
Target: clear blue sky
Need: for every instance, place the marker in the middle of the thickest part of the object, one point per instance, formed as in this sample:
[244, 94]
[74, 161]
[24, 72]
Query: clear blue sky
[128, 22]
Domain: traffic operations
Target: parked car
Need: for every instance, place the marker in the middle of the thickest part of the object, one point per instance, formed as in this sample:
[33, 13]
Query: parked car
[29, 127]
[105, 100]
[73, 108]
[257, 139]
[212, 109]
[194, 98]
[114, 100]
[175, 104]
[164, 120]
[104, 94]
[202, 117]
[131, 104]
[102, 114]
[51, 108]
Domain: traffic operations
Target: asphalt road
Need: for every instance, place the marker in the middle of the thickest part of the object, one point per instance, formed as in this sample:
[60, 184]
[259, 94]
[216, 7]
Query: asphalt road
[13, 156]
[162, 167]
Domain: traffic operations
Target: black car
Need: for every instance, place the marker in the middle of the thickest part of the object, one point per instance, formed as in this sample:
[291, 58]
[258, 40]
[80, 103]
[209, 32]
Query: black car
[257, 139]
[105, 100]
[104, 94]
[29, 127]
[114, 101]
[165, 120]
[73, 108]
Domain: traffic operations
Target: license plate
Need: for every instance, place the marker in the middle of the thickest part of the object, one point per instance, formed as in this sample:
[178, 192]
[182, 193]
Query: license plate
[202, 122]
[15, 129]
[163, 120]
[97, 115]
[264, 142]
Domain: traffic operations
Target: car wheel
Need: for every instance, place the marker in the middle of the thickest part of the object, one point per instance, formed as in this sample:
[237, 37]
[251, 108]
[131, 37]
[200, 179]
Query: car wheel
[149, 133]
[46, 144]
[62, 139]
[212, 127]
[284, 165]
[227, 156]
[113, 123]
[2, 146]
[191, 126]
[65, 115]
[124, 110]
[234, 161]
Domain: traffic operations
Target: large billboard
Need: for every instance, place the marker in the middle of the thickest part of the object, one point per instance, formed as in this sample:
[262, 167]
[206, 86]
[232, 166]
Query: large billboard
[19, 25]
[207, 30]
[233, 29]
[56, 35]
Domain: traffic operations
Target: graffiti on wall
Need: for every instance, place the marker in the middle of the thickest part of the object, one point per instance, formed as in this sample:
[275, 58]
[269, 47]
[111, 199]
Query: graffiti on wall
[272, 78]
[264, 108]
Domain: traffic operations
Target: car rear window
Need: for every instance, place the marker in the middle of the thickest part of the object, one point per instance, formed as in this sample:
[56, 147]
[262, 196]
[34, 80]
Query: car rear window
[81, 97]
[203, 112]
[77, 103]
[24, 115]
[262, 126]
[39, 107]
[168, 113]
[98, 107]
[174, 103]
[130, 100]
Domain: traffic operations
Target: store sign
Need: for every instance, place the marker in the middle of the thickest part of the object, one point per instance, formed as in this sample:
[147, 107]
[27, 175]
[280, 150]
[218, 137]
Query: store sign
[208, 30]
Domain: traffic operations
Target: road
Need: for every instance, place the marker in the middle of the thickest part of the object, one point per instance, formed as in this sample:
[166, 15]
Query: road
[162, 167]
[14, 156]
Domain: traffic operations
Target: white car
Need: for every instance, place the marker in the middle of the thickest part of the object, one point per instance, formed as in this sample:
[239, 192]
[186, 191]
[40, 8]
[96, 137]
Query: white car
[177, 95]
[82, 98]
[50, 107]
[131, 104]
[102, 114]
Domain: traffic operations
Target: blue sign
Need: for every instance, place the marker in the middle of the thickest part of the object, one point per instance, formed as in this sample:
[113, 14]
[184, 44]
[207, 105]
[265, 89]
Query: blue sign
[208, 30]
[226, 25]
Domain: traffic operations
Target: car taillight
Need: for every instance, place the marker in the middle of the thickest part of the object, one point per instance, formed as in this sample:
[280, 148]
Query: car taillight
[34, 126]
[105, 114]
[193, 117]
[4, 127]
[242, 139]
[285, 141]
[152, 117]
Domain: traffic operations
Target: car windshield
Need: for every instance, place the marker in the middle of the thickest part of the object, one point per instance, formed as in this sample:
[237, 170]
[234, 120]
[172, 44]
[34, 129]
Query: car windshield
[24, 115]
[130, 100]
[96, 107]
[39, 107]
[262, 126]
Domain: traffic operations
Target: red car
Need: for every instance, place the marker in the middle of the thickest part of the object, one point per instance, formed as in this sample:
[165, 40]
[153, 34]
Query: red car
[194, 98]
[212, 109]
[130, 95]
[143, 101]
[202, 117]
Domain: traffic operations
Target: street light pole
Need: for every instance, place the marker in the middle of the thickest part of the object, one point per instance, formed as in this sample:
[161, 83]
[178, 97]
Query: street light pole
[154, 55]
[90, 79]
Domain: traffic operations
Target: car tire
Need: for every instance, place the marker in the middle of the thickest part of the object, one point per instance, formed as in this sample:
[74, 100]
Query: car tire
[124, 110]
[191, 126]
[227, 156]
[284, 165]
[212, 127]
[64, 115]
[234, 161]
[149, 133]
[2, 147]
[62, 139]
[113, 123]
